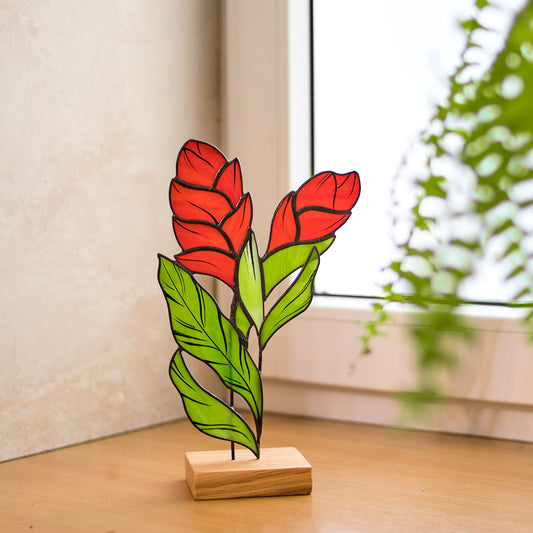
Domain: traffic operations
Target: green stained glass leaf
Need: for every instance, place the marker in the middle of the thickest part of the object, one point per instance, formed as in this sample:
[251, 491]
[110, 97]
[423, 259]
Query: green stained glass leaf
[242, 321]
[207, 413]
[250, 282]
[294, 301]
[280, 264]
[204, 332]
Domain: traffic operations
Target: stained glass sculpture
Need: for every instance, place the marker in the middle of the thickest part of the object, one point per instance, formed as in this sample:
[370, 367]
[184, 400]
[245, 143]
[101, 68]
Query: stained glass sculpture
[213, 226]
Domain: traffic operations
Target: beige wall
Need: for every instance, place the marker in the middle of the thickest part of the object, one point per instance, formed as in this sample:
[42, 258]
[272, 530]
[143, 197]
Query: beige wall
[97, 97]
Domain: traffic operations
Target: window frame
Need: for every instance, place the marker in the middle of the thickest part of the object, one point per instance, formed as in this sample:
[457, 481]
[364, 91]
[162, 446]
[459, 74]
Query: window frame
[313, 367]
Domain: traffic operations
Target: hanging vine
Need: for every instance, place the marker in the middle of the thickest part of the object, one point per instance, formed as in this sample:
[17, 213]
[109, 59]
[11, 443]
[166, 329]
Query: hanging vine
[474, 199]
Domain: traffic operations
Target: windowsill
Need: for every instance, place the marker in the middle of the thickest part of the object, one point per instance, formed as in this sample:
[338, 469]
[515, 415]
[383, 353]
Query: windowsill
[364, 478]
[475, 311]
[322, 349]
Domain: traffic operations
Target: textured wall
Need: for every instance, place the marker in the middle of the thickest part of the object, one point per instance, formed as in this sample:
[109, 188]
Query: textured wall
[96, 99]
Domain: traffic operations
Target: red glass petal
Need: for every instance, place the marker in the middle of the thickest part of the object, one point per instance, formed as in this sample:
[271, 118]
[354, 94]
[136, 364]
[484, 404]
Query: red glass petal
[209, 262]
[318, 224]
[348, 190]
[194, 204]
[283, 229]
[330, 190]
[199, 234]
[198, 163]
[237, 225]
[318, 190]
[230, 182]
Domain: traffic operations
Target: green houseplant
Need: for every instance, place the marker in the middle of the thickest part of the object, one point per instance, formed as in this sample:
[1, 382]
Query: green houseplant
[479, 174]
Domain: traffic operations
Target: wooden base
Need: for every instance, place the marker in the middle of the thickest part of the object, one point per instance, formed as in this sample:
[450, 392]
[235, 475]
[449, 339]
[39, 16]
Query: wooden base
[212, 475]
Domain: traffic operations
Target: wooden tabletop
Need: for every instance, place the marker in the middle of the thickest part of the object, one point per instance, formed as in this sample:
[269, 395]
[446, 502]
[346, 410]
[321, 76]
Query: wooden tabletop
[365, 478]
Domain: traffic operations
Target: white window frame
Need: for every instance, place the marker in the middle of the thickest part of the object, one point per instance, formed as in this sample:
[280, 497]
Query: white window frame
[313, 366]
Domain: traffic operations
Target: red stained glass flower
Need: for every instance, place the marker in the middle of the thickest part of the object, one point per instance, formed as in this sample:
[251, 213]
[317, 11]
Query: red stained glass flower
[315, 211]
[212, 216]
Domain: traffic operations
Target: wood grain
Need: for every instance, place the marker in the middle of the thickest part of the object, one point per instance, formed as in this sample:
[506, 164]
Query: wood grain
[365, 478]
[278, 472]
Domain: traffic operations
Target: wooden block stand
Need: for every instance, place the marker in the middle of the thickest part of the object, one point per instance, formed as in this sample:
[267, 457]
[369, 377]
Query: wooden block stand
[213, 475]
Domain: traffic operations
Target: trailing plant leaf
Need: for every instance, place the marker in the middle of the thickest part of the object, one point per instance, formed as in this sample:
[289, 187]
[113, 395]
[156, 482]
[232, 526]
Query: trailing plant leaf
[204, 332]
[491, 113]
[419, 400]
[208, 413]
[442, 324]
[375, 328]
[294, 301]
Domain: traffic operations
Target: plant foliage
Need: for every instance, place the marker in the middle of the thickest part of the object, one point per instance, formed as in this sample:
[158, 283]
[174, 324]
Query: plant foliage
[479, 175]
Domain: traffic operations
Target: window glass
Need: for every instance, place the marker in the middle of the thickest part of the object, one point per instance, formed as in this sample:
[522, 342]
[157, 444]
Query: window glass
[379, 69]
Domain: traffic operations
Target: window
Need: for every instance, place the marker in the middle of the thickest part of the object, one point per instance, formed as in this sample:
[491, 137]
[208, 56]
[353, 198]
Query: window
[313, 367]
[379, 71]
